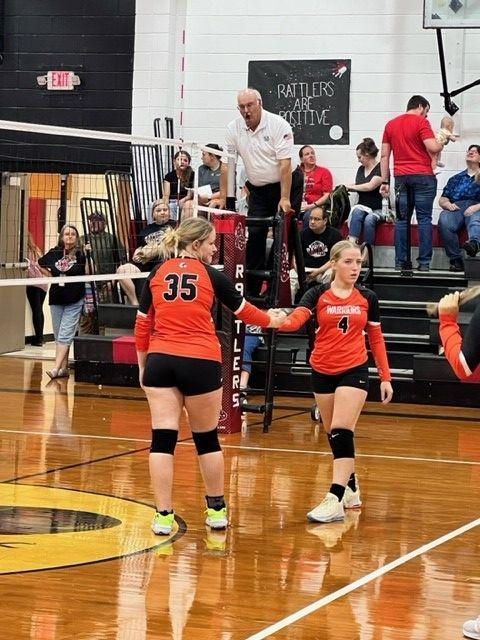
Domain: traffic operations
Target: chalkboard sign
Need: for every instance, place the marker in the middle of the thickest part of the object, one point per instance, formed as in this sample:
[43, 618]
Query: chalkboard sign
[312, 95]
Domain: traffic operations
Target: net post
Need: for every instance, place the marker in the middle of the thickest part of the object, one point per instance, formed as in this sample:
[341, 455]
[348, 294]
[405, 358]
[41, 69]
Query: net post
[231, 228]
[231, 170]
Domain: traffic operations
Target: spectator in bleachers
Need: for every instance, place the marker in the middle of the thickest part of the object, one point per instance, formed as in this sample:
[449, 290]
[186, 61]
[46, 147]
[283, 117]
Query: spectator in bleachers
[151, 234]
[411, 139]
[107, 251]
[367, 213]
[318, 182]
[208, 181]
[460, 203]
[252, 341]
[317, 240]
[178, 183]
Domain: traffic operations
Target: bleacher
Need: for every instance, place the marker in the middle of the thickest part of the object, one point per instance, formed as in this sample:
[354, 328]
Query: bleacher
[420, 374]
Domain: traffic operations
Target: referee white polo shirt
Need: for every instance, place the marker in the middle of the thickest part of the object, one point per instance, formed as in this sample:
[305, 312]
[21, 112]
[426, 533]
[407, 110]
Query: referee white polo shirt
[262, 149]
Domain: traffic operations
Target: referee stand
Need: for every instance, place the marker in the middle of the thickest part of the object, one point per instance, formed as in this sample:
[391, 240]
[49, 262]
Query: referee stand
[286, 243]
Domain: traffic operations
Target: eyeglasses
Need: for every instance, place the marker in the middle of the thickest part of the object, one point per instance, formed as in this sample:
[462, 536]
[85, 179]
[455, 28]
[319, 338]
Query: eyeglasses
[317, 219]
[244, 107]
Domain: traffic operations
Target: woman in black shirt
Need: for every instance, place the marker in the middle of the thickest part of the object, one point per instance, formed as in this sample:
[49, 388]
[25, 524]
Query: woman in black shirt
[367, 213]
[65, 300]
[178, 183]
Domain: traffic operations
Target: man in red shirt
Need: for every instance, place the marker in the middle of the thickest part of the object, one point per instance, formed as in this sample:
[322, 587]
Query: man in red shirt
[318, 182]
[411, 139]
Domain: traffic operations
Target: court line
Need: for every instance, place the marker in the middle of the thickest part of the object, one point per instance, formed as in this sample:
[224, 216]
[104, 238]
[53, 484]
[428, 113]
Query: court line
[286, 407]
[72, 466]
[361, 582]
[188, 442]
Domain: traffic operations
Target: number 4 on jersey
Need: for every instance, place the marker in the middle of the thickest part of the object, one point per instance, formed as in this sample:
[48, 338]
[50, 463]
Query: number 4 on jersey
[183, 286]
[343, 324]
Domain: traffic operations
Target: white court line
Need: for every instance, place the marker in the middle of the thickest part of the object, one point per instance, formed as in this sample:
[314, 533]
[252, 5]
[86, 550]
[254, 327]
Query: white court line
[243, 447]
[357, 455]
[361, 582]
[73, 435]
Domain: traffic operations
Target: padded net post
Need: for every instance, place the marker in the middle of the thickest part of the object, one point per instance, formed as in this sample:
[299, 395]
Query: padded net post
[230, 228]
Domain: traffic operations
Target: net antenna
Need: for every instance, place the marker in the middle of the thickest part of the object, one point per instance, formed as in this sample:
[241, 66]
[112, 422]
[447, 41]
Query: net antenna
[450, 14]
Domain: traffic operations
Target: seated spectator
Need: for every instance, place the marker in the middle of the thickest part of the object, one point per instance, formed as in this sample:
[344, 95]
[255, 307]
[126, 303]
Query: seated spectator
[151, 234]
[252, 341]
[317, 240]
[367, 213]
[208, 182]
[460, 204]
[178, 183]
[318, 182]
[107, 252]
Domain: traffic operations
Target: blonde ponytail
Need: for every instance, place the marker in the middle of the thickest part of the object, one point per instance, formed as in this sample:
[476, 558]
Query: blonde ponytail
[175, 240]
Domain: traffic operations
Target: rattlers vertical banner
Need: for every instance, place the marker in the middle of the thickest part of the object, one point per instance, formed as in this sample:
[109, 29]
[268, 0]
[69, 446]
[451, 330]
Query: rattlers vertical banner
[231, 244]
[312, 95]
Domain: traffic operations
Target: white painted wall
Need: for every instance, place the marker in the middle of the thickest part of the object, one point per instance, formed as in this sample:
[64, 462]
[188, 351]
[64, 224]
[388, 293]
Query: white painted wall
[392, 58]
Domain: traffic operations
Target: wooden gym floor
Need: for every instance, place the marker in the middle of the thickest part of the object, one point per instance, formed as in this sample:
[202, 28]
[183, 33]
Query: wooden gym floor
[79, 561]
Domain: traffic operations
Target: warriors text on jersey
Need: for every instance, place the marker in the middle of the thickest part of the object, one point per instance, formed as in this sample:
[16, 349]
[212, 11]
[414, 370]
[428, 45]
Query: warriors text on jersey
[175, 311]
[342, 323]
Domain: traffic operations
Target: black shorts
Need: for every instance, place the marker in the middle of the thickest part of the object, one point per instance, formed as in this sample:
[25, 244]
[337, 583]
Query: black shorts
[325, 383]
[191, 376]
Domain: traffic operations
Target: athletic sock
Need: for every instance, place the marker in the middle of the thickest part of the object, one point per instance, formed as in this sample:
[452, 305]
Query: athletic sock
[352, 483]
[216, 502]
[338, 491]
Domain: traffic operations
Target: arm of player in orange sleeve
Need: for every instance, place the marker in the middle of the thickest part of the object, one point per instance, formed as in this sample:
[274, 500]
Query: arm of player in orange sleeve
[296, 319]
[249, 314]
[377, 345]
[143, 329]
[452, 343]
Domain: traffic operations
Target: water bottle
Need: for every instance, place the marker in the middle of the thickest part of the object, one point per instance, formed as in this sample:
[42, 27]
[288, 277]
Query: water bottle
[385, 208]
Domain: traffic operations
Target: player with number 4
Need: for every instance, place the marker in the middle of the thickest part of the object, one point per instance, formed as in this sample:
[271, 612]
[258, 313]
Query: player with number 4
[344, 312]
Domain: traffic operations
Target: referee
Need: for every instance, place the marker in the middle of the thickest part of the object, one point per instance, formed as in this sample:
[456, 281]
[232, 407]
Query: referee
[264, 141]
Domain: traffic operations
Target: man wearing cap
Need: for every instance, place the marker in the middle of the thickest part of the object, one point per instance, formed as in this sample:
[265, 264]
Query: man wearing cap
[208, 181]
[264, 141]
[107, 251]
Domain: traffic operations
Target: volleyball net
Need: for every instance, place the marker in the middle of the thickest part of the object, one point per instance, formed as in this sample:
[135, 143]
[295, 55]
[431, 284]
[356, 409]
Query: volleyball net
[102, 183]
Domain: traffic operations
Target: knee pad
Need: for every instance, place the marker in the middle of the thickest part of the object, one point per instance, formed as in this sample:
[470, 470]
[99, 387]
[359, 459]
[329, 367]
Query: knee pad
[164, 441]
[206, 442]
[341, 441]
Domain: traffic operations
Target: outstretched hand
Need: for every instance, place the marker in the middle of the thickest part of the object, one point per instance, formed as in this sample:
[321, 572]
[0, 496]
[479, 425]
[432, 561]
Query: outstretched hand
[277, 316]
[449, 303]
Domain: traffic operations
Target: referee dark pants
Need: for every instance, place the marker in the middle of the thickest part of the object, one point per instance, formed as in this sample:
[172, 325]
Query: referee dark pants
[263, 203]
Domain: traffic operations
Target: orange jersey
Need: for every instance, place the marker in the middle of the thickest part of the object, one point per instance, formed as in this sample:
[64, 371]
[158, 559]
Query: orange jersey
[342, 322]
[175, 311]
[463, 355]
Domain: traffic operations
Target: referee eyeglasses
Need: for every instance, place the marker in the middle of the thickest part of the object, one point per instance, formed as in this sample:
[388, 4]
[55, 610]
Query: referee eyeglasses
[249, 105]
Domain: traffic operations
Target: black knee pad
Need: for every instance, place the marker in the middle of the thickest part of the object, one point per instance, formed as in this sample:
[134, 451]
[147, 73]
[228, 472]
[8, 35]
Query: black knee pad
[164, 441]
[341, 441]
[206, 442]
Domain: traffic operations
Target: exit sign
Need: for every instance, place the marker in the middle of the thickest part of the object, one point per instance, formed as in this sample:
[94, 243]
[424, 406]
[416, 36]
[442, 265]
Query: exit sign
[61, 80]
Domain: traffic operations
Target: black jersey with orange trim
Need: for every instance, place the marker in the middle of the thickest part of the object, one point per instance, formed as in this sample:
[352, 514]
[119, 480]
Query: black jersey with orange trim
[181, 293]
[463, 355]
[340, 337]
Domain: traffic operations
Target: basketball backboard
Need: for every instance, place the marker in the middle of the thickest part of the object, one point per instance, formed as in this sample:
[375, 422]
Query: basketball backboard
[451, 14]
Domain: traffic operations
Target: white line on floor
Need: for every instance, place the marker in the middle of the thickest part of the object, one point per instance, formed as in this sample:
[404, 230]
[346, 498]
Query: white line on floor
[243, 447]
[318, 604]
